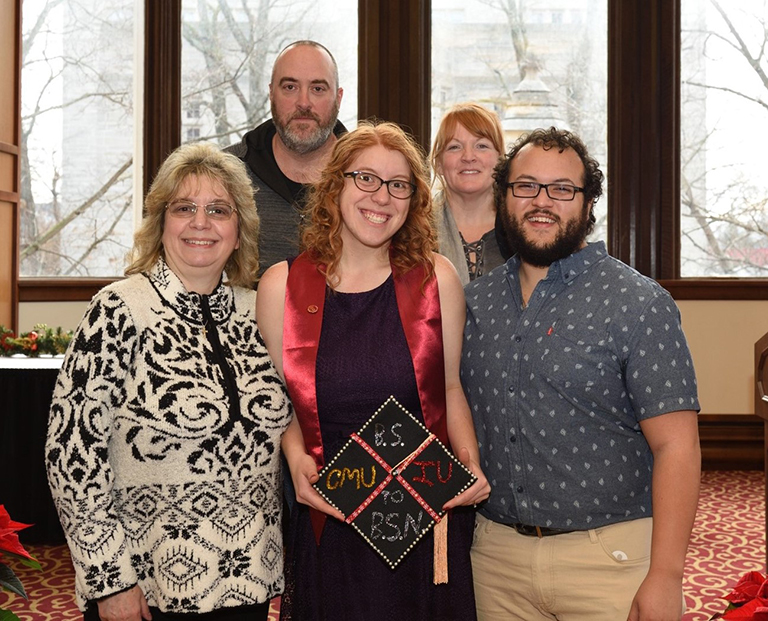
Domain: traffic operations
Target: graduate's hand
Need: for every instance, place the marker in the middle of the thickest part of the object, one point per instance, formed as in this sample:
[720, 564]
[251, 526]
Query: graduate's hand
[480, 489]
[304, 474]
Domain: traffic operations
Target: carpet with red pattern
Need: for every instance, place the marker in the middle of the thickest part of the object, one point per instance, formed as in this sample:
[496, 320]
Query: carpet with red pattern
[51, 591]
[728, 540]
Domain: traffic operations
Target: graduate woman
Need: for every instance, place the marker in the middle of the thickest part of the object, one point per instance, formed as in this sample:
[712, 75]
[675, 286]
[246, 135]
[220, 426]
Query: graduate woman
[368, 310]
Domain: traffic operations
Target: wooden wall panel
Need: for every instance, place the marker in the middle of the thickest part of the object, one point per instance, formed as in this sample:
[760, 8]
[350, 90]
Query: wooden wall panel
[162, 84]
[644, 135]
[731, 442]
[394, 64]
[8, 10]
[10, 42]
[8, 172]
[6, 266]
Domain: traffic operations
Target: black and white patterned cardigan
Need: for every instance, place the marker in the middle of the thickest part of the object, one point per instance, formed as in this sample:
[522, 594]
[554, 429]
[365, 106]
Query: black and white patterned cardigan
[161, 478]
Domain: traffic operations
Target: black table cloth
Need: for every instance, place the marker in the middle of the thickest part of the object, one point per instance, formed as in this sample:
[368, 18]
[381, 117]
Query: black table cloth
[26, 390]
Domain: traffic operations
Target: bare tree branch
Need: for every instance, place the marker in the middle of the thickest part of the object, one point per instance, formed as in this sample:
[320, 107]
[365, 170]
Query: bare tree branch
[742, 46]
[36, 244]
[105, 236]
[732, 91]
[37, 27]
[514, 11]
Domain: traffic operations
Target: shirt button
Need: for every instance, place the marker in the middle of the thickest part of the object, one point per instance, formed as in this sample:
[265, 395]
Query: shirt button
[518, 339]
[519, 489]
[511, 390]
[513, 439]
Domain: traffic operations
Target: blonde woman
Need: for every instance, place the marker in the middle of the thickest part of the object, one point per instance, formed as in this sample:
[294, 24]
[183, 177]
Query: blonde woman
[163, 449]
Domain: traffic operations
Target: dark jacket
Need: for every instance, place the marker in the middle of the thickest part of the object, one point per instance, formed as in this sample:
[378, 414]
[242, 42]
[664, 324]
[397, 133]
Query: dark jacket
[277, 199]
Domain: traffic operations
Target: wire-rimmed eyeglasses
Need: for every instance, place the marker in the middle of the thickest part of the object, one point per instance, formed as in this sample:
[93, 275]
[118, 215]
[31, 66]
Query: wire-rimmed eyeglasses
[555, 191]
[217, 210]
[368, 182]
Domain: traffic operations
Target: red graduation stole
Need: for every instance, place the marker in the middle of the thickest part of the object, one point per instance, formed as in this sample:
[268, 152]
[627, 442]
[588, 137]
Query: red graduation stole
[422, 323]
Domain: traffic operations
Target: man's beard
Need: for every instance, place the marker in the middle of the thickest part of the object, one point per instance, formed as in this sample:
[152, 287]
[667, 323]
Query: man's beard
[298, 142]
[566, 242]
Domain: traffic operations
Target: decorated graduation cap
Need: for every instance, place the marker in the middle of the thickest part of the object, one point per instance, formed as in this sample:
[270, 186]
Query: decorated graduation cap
[391, 480]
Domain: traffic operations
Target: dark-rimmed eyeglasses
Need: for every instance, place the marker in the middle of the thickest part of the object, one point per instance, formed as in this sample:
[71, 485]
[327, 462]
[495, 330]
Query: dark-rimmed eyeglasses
[555, 191]
[217, 210]
[368, 182]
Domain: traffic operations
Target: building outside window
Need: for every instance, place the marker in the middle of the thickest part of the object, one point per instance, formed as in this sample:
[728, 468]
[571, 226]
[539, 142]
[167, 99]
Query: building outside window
[80, 120]
[229, 46]
[77, 120]
[536, 63]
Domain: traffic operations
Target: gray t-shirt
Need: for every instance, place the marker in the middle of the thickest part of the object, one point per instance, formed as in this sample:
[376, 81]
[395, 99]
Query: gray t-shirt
[557, 389]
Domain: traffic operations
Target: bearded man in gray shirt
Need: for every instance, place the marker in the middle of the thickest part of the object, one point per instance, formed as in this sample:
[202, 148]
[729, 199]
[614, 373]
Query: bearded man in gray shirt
[287, 153]
[583, 393]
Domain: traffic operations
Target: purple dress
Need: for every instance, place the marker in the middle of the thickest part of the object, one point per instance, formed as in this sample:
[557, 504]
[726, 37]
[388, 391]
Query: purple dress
[363, 358]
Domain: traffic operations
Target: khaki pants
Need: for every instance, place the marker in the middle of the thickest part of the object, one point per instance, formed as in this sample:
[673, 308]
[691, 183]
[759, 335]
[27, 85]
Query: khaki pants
[581, 576]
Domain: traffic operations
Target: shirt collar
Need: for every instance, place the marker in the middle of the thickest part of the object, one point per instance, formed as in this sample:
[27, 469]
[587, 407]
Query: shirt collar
[188, 304]
[571, 266]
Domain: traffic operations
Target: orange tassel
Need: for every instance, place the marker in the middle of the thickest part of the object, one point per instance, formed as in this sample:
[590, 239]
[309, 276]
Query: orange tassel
[441, 551]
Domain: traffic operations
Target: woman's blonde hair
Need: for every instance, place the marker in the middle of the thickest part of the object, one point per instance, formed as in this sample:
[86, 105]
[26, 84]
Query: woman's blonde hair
[412, 244]
[202, 160]
[477, 120]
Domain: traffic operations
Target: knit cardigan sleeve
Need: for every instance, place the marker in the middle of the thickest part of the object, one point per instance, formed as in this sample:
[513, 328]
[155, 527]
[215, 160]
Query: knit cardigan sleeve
[89, 388]
[448, 238]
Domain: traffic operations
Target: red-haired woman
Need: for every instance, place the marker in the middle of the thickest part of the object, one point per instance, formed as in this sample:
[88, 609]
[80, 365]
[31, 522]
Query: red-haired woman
[467, 147]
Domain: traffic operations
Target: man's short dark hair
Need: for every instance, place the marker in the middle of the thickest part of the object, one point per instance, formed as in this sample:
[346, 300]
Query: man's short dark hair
[552, 138]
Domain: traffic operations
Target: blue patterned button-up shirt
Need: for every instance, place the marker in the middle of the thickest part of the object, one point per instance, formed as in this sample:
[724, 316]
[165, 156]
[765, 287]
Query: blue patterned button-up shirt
[557, 389]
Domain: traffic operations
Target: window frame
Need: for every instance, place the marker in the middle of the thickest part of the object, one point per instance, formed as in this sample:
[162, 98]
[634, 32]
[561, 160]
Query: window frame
[394, 69]
[161, 134]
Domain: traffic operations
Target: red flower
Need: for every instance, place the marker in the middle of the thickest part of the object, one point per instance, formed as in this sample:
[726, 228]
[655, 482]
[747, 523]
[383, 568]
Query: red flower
[9, 540]
[749, 599]
[747, 588]
[4, 337]
[755, 610]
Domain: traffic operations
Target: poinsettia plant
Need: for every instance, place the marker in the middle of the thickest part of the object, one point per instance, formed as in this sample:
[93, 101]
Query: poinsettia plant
[11, 546]
[749, 599]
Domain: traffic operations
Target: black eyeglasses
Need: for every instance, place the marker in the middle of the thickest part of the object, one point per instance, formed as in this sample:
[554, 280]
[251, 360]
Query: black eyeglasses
[368, 182]
[555, 191]
[217, 210]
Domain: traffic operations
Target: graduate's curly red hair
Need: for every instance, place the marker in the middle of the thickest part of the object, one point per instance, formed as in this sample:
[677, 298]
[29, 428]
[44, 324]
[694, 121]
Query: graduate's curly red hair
[413, 244]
